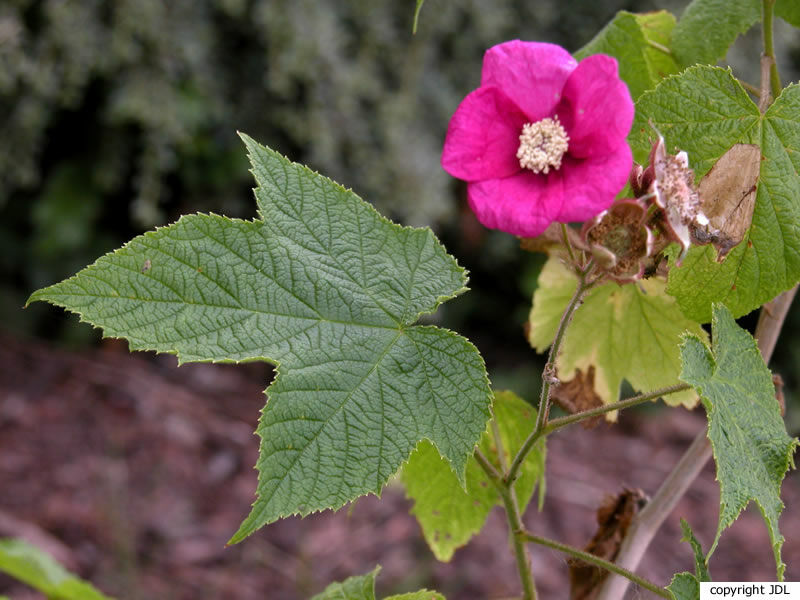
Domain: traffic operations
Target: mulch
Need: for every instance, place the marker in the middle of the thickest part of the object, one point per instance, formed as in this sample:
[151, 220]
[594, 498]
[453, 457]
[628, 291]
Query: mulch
[134, 473]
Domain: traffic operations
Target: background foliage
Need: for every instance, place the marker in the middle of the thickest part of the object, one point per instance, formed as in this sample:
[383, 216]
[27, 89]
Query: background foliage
[115, 117]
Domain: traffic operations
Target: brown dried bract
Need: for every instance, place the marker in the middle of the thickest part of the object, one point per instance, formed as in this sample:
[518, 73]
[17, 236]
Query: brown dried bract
[728, 196]
[613, 519]
[578, 394]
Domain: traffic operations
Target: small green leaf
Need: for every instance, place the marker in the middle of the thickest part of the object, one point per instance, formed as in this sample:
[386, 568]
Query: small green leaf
[684, 586]
[700, 566]
[627, 332]
[450, 516]
[420, 595]
[362, 587]
[37, 569]
[358, 587]
[640, 43]
[707, 28]
[789, 11]
[327, 290]
[705, 111]
[752, 450]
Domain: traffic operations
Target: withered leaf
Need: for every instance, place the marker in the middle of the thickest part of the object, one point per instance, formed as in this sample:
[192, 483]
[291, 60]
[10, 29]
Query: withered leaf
[578, 394]
[728, 195]
[613, 519]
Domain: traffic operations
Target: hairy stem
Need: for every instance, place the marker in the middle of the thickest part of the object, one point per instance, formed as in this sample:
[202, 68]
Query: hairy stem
[767, 7]
[647, 522]
[567, 243]
[620, 405]
[548, 376]
[596, 561]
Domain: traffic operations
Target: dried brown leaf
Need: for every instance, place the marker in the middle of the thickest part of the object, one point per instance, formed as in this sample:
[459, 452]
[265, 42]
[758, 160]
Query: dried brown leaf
[613, 519]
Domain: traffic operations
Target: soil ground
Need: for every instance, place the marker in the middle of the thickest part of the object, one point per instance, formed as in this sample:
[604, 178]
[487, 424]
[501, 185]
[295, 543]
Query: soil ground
[134, 473]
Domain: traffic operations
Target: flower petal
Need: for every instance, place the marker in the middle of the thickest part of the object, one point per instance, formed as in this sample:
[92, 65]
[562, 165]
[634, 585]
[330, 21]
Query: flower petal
[483, 137]
[523, 204]
[532, 74]
[591, 184]
[596, 109]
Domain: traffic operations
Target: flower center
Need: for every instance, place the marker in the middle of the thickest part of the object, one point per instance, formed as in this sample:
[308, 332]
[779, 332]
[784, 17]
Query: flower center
[542, 145]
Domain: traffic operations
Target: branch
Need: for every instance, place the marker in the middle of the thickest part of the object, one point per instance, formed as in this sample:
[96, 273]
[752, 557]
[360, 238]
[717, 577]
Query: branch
[548, 378]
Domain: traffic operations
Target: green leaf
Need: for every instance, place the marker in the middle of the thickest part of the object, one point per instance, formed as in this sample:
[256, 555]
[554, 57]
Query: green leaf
[362, 587]
[640, 43]
[700, 566]
[627, 332]
[752, 450]
[707, 28]
[789, 11]
[684, 586]
[449, 515]
[420, 595]
[40, 571]
[705, 111]
[358, 587]
[327, 290]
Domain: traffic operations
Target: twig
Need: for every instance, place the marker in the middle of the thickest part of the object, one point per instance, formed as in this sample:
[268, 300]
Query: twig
[514, 518]
[548, 376]
[597, 561]
[620, 405]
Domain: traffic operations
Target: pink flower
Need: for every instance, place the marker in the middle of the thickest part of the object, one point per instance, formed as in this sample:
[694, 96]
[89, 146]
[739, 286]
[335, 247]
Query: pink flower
[542, 139]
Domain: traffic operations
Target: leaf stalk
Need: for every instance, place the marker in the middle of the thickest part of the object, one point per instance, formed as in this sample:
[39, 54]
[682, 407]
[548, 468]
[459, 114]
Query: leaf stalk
[596, 561]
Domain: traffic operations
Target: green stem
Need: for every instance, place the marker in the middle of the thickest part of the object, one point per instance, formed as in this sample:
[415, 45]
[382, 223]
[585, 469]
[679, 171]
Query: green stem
[548, 376]
[568, 244]
[596, 561]
[494, 475]
[514, 518]
[767, 7]
[620, 405]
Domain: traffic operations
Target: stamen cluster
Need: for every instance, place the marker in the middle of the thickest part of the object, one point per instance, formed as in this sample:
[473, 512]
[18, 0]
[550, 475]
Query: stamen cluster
[542, 145]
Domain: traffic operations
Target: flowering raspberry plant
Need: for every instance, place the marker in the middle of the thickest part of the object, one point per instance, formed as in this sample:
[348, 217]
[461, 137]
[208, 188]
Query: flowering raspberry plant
[542, 139]
[331, 293]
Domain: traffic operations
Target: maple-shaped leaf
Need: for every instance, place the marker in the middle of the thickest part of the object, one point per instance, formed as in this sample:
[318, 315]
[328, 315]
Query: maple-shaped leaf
[329, 291]
[705, 112]
[626, 332]
[640, 43]
[450, 515]
[752, 450]
[707, 28]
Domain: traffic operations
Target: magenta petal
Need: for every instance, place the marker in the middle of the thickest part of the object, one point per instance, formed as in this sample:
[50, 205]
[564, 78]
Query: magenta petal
[596, 110]
[483, 137]
[591, 184]
[532, 74]
[523, 204]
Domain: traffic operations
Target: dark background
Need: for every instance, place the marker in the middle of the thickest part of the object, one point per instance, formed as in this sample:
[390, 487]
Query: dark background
[116, 117]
